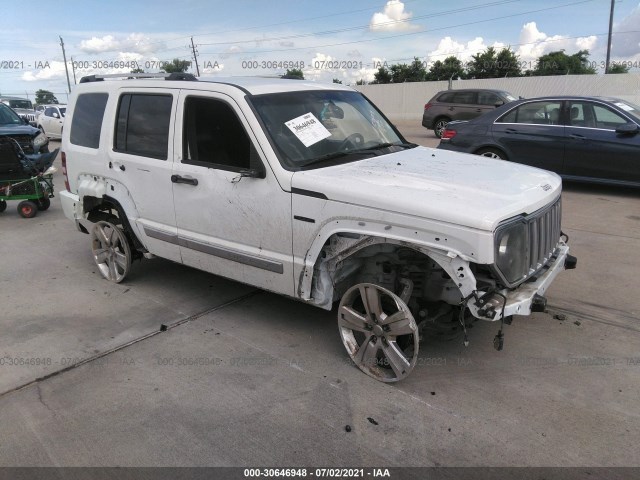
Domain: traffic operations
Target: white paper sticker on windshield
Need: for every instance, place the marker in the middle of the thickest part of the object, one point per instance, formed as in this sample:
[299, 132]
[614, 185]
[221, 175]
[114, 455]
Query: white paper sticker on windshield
[308, 129]
[624, 106]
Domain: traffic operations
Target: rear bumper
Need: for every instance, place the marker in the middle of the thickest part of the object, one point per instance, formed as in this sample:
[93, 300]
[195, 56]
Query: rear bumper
[71, 207]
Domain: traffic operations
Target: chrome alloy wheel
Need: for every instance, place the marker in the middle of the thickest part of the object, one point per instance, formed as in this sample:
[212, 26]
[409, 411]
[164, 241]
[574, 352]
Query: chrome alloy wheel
[378, 331]
[111, 251]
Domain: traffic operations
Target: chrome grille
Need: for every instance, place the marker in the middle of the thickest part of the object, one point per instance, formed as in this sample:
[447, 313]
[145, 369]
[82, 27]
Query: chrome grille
[544, 233]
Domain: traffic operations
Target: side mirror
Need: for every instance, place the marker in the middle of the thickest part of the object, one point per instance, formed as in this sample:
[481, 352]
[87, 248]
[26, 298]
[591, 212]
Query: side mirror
[55, 115]
[25, 120]
[499, 103]
[627, 129]
[251, 173]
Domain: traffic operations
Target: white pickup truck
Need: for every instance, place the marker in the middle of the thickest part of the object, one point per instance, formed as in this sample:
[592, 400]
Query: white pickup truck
[307, 190]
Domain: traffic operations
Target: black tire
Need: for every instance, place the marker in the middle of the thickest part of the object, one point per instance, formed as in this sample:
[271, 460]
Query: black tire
[43, 203]
[27, 209]
[3, 206]
[492, 153]
[439, 125]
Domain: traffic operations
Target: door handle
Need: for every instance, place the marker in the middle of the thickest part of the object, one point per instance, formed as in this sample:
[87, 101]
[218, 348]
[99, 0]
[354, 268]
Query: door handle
[479, 110]
[187, 180]
[511, 130]
[577, 137]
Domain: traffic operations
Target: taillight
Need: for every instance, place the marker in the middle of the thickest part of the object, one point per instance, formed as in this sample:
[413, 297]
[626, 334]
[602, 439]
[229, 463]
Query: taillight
[448, 134]
[63, 157]
[427, 106]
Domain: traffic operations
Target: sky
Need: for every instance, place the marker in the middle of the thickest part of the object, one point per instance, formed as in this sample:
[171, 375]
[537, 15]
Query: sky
[326, 39]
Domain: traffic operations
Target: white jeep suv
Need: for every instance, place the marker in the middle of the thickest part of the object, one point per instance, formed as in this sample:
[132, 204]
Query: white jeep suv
[307, 190]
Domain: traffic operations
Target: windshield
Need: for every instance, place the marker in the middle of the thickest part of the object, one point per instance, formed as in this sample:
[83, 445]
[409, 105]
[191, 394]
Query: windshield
[509, 97]
[629, 108]
[8, 116]
[26, 104]
[307, 127]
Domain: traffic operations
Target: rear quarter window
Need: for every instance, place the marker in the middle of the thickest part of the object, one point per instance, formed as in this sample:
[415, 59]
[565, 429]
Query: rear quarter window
[87, 119]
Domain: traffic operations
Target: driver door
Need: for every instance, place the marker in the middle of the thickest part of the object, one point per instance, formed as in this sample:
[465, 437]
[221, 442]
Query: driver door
[232, 216]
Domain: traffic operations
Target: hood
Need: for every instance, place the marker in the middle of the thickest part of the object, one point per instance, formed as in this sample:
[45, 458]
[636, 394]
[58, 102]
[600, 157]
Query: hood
[10, 130]
[451, 187]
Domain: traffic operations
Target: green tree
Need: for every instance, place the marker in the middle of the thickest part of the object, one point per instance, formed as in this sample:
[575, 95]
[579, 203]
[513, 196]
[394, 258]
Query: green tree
[414, 72]
[451, 67]
[493, 64]
[294, 73]
[559, 63]
[137, 70]
[618, 68]
[335, 80]
[361, 82]
[176, 66]
[383, 75]
[45, 97]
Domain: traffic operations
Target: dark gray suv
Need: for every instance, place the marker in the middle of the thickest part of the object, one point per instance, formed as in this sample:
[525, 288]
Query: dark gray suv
[461, 105]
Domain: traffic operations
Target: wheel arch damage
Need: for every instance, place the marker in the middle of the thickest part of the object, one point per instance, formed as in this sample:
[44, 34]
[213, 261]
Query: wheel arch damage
[346, 255]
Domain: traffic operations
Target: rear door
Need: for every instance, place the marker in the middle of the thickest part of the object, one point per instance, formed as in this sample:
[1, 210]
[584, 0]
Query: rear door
[141, 159]
[532, 133]
[594, 149]
[463, 106]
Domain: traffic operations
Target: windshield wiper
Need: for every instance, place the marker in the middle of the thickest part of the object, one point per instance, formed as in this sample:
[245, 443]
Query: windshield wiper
[385, 145]
[334, 155]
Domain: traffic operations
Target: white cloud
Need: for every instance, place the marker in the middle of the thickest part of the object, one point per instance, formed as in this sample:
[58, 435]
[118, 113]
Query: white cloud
[534, 43]
[53, 72]
[392, 19]
[449, 47]
[134, 42]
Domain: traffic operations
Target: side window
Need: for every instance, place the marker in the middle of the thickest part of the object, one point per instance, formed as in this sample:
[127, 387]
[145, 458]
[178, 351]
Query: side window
[606, 118]
[446, 97]
[577, 116]
[49, 112]
[87, 119]
[488, 98]
[142, 125]
[467, 98]
[213, 136]
[539, 113]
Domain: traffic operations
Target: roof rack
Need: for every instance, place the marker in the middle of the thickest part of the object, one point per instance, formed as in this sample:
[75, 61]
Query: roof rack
[167, 76]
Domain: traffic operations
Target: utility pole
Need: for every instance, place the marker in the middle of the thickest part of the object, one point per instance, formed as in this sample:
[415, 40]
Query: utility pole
[73, 68]
[64, 56]
[606, 66]
[195, 57]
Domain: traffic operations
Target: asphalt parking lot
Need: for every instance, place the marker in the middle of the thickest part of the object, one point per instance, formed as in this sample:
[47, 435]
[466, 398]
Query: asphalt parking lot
[175, 367]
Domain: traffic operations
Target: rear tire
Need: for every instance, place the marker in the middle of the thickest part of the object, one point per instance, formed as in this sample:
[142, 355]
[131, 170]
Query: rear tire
[44, 203]
[3, 206]
[439, 125]
[27, 209]
[492, 153]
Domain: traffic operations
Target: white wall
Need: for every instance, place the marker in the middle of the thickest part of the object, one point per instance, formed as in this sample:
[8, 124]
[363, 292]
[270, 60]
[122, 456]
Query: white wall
[405, 101]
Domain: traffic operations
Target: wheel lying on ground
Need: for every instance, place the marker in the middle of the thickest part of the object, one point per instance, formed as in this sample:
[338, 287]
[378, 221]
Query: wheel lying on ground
[378, 331]
[111, 251]
[43, 203]
[3, 206]
[27, 209]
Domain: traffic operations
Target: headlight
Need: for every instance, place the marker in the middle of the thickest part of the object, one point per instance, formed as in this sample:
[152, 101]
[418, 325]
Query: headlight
[39, 141]
[512, 255]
